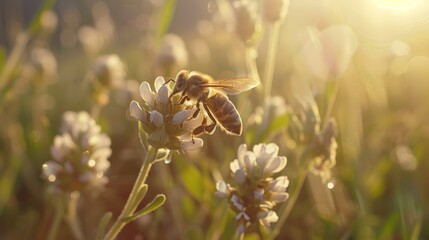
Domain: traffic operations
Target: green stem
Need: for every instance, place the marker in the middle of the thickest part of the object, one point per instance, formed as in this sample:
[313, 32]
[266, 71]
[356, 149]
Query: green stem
[72, 217]
[21, 43]
[59, 213]
[287, 208]
[331, 102]
[95, 111]
[251, 55]
[271, 57]
[131, 204]
[240, 236]
[269, 70]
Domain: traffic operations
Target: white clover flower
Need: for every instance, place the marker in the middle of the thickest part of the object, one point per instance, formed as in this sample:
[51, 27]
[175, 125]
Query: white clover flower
[222, 189]
[109, 71]
[267, 217]
[172, 54]
[256, 192]
[43, 65]
[258, 164]
[79, 154]
[167, 123]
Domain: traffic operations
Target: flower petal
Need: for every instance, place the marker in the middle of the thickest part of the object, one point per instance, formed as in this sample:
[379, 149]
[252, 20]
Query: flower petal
[234, 166]
[189, 145]
[163, 94]
[147, 94]
[267, 218]
[279, 197]
[249, 162]
[279, 184]
[137, 112]
[156, 118]
[276, 165]
[266, 151]
[181, 116]
[242, 149]
[192, 123]
[240, 176]
[222, 190]
[159, 81]
[235, 200]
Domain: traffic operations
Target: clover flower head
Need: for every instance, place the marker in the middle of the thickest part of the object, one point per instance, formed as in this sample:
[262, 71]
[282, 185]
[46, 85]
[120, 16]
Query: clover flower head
[166, 123]
[247, 22]
[79, 154]
[405, 158]
[109, 71]
[172, 54]
[48, 21]
[44, 64]
[90, 39]
[255, 191]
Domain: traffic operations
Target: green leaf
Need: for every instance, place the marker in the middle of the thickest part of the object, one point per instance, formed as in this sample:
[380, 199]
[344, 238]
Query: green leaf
[8, 180]
[102, 226]
[417, 229]
[157, 202]
[252, 236]
[140, 195]
[277, 124]
[35, 22]
[166, 16]
[193, 181]
[2, 58]
[389, 227]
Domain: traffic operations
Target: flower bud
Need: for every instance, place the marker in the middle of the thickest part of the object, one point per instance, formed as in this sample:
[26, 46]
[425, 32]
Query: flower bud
[247, 24]
[172, 55]
[109, 71]
[44, 65]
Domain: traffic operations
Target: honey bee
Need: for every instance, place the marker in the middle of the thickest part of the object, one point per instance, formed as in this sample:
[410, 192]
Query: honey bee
[211, 94]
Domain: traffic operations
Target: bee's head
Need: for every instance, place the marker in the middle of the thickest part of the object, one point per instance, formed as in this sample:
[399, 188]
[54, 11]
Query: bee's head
[180, 84]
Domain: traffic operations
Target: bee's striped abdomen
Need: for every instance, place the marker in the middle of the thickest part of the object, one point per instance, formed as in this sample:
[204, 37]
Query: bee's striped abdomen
[225, 113]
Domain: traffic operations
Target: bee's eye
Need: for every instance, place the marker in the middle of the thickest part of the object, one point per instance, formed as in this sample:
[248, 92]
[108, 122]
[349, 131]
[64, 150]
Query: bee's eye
[180, 83]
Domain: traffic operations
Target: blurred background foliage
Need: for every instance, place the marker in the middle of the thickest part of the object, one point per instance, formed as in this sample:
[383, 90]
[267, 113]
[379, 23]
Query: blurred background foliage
[365, 63]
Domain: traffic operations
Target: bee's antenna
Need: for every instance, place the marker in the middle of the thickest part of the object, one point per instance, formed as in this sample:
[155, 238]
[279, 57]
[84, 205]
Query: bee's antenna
[169, 80]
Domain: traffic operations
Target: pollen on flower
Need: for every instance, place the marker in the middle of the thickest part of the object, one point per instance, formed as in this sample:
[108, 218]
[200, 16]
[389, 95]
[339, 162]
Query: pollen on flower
[255, 192]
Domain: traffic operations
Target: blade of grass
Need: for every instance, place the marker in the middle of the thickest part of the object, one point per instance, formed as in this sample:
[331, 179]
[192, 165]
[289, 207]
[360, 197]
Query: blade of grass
[102, 226]
[166, 16]
[21, 43]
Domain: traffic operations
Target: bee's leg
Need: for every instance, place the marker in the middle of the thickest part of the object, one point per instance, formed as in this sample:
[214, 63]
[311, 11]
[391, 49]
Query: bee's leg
[210, 128]
[196, 112]
[199, 130]
[183, 99]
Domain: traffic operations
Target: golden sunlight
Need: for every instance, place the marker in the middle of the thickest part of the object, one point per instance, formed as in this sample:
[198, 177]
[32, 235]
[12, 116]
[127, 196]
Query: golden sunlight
[399, 5]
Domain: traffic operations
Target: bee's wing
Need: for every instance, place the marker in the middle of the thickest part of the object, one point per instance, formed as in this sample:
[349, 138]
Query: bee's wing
[233, 86]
